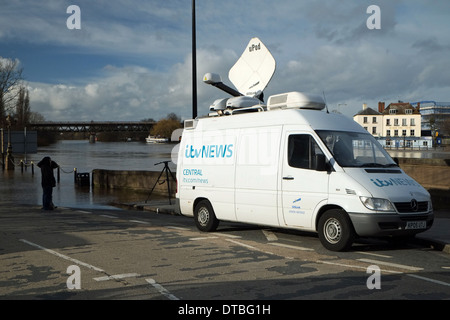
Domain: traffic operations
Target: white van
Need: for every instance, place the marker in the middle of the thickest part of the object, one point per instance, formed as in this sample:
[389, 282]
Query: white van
[289, 164]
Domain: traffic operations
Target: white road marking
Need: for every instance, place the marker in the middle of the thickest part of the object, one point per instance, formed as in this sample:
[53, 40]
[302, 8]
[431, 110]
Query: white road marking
[390, 264]
[353, 266]
[108, 216]
[243, 244]
[249, 246]
[161, 289]
[270, 236]
[202, 238]
[178, 228]
[374, 254]
[117, 276]
[429, 279]
[82, 211]
[81, 263]
[290, 246]
[139, 221]
[228, 235]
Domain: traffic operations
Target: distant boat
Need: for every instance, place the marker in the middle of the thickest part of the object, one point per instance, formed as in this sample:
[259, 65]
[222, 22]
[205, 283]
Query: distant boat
[151, 139]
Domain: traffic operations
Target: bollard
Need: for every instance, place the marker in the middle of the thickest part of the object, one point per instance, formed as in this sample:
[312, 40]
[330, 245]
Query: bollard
[83, 179]
[75, 175]
[32, 168]
[21, 166]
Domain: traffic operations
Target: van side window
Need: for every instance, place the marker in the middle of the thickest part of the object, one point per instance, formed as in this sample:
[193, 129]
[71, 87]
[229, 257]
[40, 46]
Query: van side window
[302, 149]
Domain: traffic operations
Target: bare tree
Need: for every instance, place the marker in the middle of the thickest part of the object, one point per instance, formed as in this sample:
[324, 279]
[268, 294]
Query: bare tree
[36, 117]
[10, 79]
[23, 108]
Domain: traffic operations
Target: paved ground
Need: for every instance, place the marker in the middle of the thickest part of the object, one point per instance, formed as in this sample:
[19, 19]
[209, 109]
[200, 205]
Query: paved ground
[437, 236]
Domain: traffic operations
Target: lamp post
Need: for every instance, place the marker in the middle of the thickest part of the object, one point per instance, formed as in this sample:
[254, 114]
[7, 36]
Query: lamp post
[9, 165]
[3, 148]
[194, 64]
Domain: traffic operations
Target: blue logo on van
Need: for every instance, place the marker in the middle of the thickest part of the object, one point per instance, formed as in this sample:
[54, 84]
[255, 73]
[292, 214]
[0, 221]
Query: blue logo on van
[209, 151]
[393, 182]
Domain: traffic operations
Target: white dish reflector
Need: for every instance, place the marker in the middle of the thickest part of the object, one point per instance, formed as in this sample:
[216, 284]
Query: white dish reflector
[254, 69]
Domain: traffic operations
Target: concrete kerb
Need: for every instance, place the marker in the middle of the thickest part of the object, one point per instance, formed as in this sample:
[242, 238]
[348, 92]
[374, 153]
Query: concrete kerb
[153, 206]
[438, 245]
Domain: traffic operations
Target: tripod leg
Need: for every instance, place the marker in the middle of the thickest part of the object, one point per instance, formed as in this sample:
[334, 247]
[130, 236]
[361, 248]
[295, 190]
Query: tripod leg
[168, 181]
[173, 177]
[154, 185]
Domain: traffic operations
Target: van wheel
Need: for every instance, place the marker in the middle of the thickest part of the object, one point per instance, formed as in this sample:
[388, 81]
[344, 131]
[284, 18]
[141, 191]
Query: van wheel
[336, 230]
[205, 218]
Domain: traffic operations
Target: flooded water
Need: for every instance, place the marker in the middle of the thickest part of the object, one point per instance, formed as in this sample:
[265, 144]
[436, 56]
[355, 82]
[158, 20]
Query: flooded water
[437, 153]
[24, 187]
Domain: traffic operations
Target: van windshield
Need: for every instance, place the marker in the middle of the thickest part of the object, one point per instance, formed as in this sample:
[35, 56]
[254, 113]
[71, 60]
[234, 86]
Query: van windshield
[353, 149]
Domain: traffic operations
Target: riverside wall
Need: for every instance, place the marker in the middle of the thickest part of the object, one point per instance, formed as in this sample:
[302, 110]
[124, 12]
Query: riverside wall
[433, 174]
[142, 181]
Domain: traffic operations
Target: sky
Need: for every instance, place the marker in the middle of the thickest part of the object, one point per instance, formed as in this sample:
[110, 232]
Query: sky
[132, 60]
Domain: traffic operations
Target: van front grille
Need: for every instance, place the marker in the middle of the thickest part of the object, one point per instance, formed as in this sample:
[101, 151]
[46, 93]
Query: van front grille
[404, 207]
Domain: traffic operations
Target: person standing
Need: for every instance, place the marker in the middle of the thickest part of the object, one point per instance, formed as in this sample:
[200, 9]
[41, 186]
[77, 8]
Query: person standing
[48, 181]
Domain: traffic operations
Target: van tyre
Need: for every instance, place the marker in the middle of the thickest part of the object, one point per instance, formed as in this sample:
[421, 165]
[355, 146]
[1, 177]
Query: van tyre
[336, 231]
[205, 218]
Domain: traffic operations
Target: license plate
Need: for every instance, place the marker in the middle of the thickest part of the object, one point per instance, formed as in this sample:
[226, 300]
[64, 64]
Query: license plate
[416, 225]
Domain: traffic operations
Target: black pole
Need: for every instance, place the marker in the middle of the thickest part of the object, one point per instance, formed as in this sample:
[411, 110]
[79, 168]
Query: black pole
[194, 64]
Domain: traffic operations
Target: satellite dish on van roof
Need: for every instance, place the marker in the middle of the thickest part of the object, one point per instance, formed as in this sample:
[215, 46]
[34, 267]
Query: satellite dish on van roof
[253, 71]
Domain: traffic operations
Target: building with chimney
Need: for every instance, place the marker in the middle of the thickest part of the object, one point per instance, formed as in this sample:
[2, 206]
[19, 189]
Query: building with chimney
[397, 125]
[370, 120]
[401, 120]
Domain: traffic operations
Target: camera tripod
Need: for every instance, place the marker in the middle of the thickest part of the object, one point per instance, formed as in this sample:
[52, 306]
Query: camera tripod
[166, 169]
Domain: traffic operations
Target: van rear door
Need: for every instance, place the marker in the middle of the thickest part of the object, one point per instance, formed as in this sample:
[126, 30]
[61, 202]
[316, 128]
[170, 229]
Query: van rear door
[302, 186]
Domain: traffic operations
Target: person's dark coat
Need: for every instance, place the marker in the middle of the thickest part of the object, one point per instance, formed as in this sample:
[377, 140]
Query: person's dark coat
[48, 178]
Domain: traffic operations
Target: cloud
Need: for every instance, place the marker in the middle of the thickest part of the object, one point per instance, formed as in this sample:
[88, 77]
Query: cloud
[132, 92]
[138, 52]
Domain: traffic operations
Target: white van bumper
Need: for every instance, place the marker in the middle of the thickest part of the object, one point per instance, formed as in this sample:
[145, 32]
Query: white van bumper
[377, 225]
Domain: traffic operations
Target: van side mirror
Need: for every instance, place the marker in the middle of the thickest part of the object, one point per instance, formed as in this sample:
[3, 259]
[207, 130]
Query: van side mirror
[320, 162]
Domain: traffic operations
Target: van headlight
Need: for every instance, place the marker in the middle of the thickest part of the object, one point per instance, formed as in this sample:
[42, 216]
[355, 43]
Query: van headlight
[377, 204]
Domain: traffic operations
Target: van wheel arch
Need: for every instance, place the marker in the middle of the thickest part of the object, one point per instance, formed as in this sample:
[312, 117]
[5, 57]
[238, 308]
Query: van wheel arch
[204, 216]
[325, 209]
[335, 229]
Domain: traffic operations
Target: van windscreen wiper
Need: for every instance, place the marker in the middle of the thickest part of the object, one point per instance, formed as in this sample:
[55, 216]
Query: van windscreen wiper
[378, 165]
[371, 164]
[389, 165]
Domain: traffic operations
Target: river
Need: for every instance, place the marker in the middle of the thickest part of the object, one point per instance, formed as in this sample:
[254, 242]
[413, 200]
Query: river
[24, 187]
